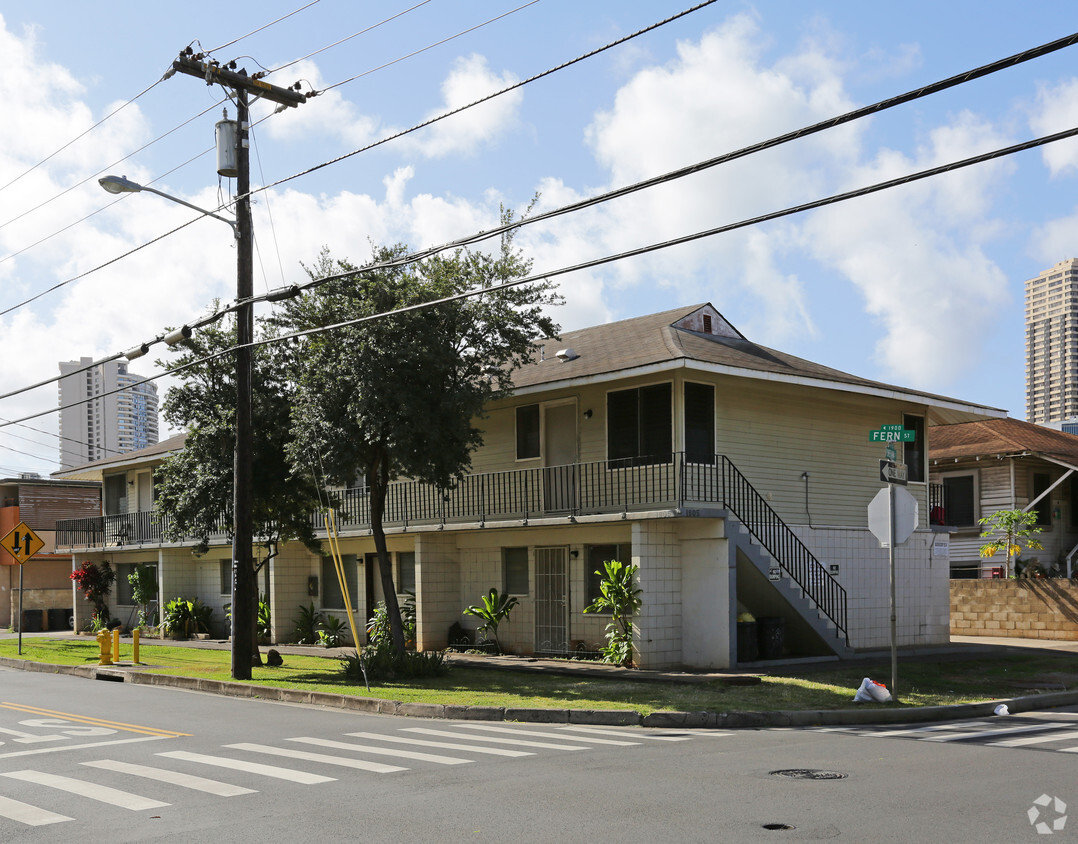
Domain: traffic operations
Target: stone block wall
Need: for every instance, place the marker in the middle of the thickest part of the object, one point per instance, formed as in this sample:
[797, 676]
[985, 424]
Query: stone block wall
[1035, 608]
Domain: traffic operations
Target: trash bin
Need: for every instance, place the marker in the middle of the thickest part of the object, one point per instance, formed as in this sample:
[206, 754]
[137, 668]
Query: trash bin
[772, 633]
[746, 641]
[31, 621]
[58, 617]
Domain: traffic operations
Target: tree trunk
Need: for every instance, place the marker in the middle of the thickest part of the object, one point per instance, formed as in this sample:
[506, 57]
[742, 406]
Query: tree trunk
[378, 481]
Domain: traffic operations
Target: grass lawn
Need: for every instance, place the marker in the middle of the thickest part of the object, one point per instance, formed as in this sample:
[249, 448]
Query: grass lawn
[924, 682]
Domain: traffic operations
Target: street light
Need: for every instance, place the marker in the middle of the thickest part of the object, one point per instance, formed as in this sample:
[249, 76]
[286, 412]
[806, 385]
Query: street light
[122, 184]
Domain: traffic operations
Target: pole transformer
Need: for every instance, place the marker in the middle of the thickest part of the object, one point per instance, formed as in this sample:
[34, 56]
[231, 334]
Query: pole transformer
[244, 580]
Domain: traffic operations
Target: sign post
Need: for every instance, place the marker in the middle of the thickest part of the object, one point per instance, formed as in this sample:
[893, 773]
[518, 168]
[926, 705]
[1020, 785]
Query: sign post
[21, 543]
[898, 523]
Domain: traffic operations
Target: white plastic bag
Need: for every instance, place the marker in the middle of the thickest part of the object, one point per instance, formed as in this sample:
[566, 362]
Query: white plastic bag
[871, 692]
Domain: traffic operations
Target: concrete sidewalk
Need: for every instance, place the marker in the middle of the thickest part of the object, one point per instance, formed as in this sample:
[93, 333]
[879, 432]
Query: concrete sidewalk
[960, 647]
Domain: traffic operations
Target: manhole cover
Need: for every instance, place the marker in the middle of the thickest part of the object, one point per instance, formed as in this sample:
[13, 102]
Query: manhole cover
[808, 774]
[777, 826]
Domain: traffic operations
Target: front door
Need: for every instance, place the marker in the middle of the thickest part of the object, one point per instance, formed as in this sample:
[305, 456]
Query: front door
[559, 458]
[552, 600]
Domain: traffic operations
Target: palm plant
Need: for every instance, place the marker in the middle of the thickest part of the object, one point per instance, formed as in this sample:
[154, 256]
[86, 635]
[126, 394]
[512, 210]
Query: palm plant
[493, 610]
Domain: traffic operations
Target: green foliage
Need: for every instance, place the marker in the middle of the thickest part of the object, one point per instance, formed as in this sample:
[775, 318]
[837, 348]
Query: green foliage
[1010, 531]
[398, 395]
[95, 582]
[493, 610]
[334, 632]
[264, 623]
[306, 627]
[379, 630]
[184, 617]
[619, 596]
[143, 591]
[379, 664]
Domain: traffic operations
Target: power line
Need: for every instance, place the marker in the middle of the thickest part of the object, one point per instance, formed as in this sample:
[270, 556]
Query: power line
[348, 37]
[583, 265]
[429, 47]
[375, 144]
[264, 26]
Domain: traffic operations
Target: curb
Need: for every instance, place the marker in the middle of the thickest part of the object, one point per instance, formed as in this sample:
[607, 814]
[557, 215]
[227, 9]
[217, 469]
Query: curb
[868, 714]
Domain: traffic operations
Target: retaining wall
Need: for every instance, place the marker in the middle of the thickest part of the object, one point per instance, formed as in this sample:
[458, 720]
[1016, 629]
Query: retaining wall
[1034, 608]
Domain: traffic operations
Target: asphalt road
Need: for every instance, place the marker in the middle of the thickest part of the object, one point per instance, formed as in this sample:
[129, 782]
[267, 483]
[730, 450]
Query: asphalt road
[178, 764]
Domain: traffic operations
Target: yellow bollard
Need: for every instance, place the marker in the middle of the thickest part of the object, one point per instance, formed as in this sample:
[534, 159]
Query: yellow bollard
[134, 646]
[103, 643]
[116, 645]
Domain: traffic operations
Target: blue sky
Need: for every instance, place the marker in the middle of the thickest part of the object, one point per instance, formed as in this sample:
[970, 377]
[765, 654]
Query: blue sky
[919, 286]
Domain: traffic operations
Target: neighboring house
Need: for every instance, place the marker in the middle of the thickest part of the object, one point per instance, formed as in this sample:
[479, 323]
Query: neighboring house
[1006, 464]
[736, 477]
[46, 577]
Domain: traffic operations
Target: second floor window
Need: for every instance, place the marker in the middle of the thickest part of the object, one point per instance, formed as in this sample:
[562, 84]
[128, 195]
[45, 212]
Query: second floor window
[638, 425]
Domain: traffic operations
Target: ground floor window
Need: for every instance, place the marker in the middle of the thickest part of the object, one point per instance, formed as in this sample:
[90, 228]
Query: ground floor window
[515, 571]
[598, 555]
[406, 572]
[332, 596]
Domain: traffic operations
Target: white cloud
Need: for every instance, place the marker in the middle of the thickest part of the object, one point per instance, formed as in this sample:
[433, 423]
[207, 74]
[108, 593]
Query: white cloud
[1056, 109]
[464, 134]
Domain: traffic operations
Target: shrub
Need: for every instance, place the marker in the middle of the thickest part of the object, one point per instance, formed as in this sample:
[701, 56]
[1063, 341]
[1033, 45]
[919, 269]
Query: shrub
[333, 633]
[306, 626]
[96, 583]
[379, 664]
[493, 610]
[619, 596]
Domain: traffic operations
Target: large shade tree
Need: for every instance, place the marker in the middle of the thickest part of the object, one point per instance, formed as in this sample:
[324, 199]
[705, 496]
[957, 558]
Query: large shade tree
[399, 395]
[194, 487]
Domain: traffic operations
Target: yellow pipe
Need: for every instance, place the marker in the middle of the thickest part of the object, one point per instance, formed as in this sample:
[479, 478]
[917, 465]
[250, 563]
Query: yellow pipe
[342, 578]
[134, 646]
[116, 645]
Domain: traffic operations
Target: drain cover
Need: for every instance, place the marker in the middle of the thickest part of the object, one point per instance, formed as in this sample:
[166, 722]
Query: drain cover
[808, 774]
[777, 826]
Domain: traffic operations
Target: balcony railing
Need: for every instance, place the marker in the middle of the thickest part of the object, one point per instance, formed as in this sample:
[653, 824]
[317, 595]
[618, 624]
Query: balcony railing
[579, 489]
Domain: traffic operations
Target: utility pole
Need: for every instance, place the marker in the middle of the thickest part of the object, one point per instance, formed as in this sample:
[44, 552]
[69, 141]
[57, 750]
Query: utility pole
[244, 580]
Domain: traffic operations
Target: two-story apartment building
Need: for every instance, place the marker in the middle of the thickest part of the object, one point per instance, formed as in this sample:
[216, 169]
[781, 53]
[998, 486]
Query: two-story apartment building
[735, 476]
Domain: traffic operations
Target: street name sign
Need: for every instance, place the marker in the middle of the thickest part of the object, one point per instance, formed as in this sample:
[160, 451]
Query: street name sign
[892, 434]
[22, 543]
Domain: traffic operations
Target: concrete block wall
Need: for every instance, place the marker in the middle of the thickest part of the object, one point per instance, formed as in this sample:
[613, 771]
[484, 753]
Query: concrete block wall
[438, 589]
[289, 571]
[922, 593]
[657, 627]
[1034, 608]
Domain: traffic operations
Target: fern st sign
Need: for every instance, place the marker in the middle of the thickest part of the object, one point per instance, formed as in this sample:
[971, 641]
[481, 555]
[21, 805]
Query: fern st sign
[22, 543]
[892, 434]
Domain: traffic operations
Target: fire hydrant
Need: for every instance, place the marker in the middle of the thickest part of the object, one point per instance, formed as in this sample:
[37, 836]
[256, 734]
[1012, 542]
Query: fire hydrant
[104, 642]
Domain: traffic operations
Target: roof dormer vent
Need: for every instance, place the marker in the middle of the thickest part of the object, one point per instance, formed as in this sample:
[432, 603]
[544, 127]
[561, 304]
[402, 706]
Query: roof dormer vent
[566, 355]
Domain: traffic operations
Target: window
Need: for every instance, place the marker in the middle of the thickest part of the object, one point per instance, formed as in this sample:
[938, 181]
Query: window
[115, 494]
[1041, 482]
[527, 432]
[960, 499]
[913, 454]
[332, 597]
[515, 571]
[406, 571]
[124, 597]
[638, 425]
[700, 423]
[599, 554]
[226, 577]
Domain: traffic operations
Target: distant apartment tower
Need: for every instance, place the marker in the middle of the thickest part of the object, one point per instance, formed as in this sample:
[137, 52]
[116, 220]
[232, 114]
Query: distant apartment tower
[1052, 345]
[104, 420]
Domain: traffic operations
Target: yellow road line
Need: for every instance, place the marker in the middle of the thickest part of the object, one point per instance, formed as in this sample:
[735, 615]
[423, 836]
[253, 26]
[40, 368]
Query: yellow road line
[86, 719]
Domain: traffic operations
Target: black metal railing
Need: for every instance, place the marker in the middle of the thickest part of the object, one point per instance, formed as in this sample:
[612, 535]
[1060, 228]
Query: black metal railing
[601, 487]
[937, 504]
[753, 511]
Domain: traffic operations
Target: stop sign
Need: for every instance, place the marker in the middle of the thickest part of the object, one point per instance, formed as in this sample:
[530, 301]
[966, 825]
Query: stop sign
[905, 515]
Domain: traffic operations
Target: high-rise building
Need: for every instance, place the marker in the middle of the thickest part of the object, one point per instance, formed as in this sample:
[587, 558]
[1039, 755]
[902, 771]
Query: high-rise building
[1052, 344]
[113, 411]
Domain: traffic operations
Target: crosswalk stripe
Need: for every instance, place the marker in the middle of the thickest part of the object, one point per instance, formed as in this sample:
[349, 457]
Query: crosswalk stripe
[934, 728]
[301, 777]
[13, 810]
[1029, 728]
[1022, 742]
[492, 740]
[443, 745]
[600, 731]
[92, 790]
[383, 751]
[325, 759]
[540, 734]
[221, 789]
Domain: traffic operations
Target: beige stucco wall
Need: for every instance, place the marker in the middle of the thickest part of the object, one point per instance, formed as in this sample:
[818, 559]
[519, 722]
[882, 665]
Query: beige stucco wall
[1034, 608]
